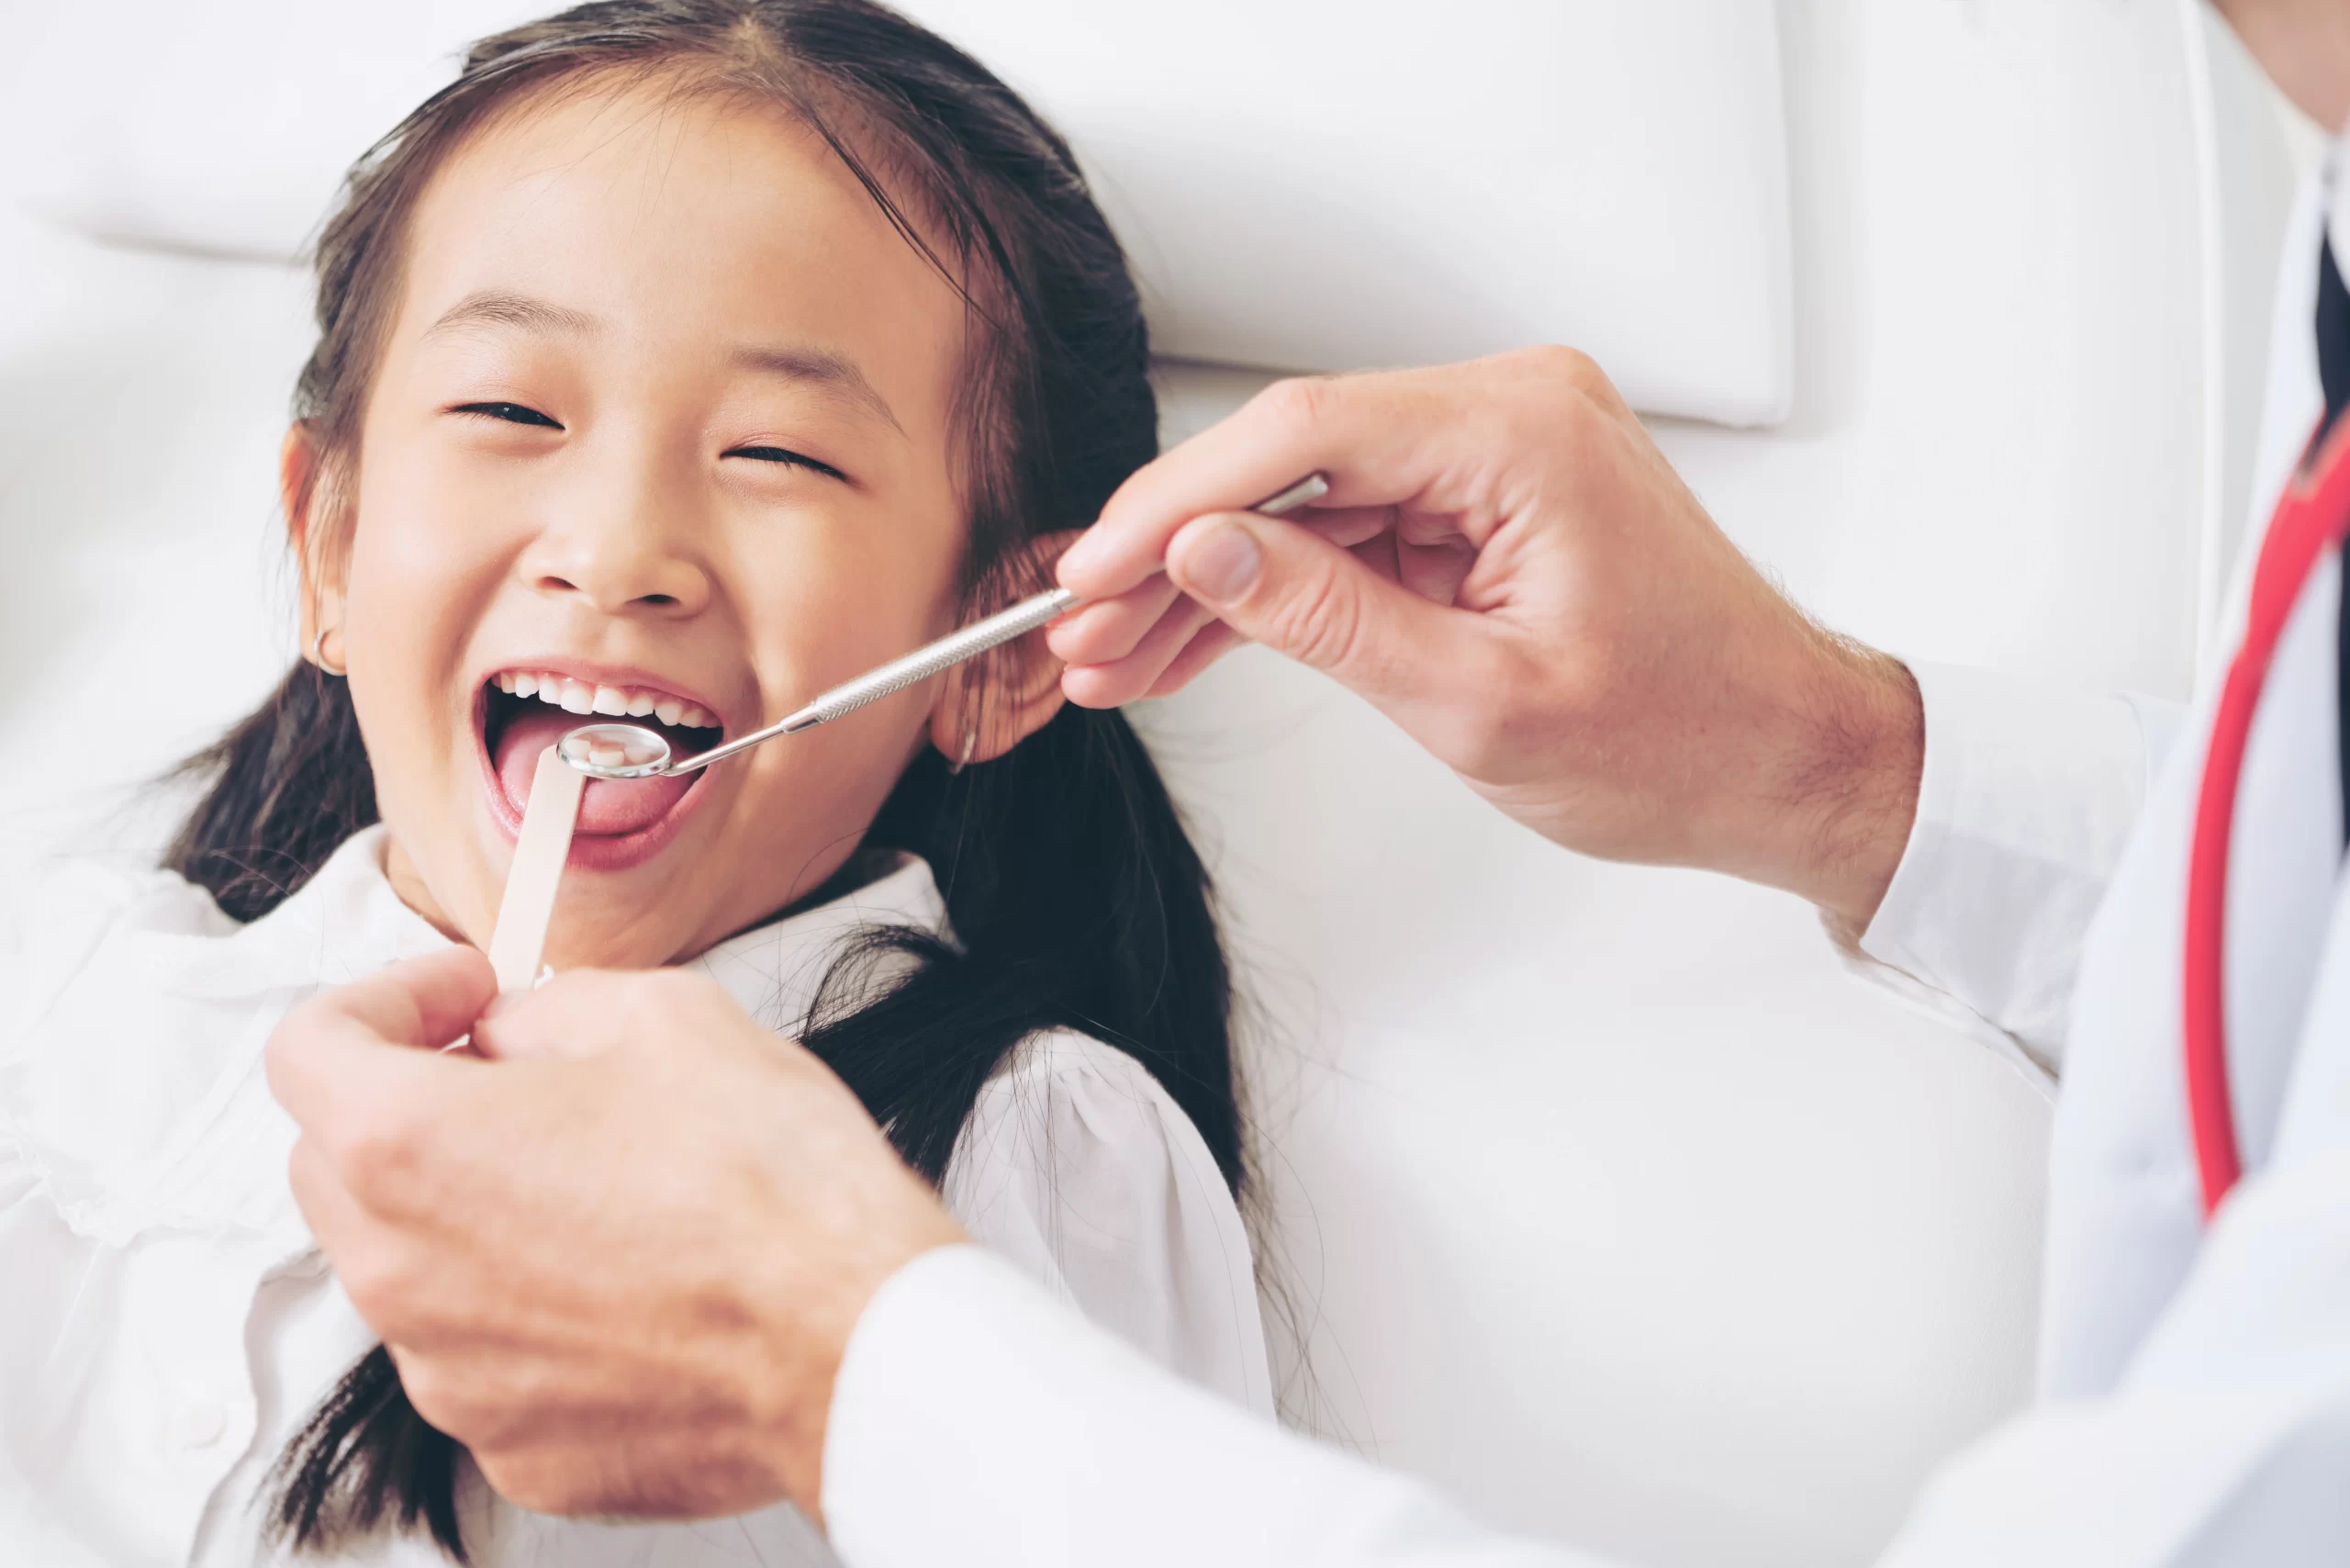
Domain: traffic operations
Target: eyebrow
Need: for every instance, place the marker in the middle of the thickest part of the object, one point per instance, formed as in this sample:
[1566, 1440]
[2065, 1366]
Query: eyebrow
[495, 308]
[823, 369]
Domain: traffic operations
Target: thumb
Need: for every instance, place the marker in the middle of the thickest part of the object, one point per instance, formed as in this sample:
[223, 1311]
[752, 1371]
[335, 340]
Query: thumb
[425, 1002]
[1303, 596]
[339, 1045]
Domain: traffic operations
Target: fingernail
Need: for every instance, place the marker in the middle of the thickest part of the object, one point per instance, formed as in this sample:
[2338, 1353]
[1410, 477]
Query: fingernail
[503, 1001]
[1221, 567]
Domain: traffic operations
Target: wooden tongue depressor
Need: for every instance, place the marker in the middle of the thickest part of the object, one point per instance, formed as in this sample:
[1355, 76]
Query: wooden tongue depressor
[519, 941]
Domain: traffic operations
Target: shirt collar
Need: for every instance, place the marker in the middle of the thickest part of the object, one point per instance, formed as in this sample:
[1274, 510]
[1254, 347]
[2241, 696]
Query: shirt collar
[345, 923]
[773, 971]
[348, 922]
[139, 1096]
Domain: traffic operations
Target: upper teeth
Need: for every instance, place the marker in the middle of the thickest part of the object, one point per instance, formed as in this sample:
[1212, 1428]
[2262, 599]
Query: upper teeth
[620, 702]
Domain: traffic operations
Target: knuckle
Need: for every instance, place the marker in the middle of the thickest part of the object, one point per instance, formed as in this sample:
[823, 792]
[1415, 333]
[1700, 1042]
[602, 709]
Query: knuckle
[437, 1398]
[524, 1481]
[1568, 368]
[379, 1284]
[554, 1480]
[1320, 624]
[1569, 385]
[1298, 405]
[1558, 360]
[381, 1158]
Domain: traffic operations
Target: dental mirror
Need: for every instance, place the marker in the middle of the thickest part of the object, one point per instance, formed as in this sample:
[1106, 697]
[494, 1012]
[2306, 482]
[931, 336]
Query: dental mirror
[632, 751]
[615, 751]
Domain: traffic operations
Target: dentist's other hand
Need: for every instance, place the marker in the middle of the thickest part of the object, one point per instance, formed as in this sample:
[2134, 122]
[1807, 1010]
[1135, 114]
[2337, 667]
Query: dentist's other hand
[621, 1265]
[1509, 569]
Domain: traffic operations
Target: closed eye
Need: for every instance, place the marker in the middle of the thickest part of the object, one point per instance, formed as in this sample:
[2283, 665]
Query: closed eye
[788, 458]
[512, 413]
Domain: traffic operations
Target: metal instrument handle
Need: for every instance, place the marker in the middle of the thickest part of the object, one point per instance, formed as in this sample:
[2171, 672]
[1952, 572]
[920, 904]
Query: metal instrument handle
[953, 649]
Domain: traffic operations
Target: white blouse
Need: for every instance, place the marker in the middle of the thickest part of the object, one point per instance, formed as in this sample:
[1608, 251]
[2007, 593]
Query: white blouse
[167, 1323]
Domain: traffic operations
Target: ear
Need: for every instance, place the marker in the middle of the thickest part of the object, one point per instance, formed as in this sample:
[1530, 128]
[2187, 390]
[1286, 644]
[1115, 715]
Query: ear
[993, 702]
[304, 490]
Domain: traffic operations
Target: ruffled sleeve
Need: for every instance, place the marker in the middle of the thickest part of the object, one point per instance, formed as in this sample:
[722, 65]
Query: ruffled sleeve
[1079, 1169]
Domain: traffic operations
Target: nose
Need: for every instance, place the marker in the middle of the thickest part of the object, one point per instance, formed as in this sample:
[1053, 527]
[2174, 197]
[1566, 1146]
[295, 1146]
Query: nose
[628, 549]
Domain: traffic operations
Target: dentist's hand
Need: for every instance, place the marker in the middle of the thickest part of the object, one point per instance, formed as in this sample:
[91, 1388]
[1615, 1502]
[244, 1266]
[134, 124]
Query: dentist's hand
[1508, 568]
[621, 1265]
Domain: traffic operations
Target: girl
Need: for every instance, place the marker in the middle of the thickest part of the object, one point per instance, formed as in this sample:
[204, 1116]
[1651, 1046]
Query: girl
[680, 358]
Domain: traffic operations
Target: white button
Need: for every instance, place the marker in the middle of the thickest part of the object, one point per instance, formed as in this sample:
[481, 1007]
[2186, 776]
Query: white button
[200, 1425]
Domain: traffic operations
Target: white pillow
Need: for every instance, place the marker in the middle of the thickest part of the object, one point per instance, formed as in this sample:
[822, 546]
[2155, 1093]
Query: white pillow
[1304, 186]
[1315, 185]
[223, 127]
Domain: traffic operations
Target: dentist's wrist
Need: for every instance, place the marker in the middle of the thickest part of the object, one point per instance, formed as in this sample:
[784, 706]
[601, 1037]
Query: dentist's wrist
[1850, 790]
[812, 1340]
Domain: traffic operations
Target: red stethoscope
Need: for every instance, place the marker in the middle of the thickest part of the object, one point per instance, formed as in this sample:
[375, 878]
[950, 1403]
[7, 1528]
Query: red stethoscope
[2311, 517]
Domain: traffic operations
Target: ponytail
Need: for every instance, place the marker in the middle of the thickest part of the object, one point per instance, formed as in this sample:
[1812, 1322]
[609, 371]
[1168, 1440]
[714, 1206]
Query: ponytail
[290, 783]
[1076, 901]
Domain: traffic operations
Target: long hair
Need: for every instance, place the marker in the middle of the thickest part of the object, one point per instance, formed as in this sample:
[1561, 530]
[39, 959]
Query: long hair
[1075, 897]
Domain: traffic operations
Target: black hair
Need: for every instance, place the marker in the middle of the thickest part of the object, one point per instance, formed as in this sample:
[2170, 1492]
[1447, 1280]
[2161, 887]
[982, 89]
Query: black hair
[1075, 898]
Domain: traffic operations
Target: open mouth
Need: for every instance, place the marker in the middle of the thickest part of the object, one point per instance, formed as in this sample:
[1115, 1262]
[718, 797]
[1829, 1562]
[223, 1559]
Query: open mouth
[521, 712]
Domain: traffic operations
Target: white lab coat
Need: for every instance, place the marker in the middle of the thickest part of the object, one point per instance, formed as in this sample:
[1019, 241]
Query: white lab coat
[166, 1321]
[2196, 1405]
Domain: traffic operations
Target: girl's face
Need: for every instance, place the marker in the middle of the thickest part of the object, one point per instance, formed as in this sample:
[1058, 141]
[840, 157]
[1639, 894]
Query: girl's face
[661, 422]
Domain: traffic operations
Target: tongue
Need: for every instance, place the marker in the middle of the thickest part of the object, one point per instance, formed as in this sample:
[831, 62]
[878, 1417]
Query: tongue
[609, 807]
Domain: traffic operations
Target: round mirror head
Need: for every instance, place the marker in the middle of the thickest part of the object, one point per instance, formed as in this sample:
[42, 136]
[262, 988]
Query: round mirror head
[615, 751]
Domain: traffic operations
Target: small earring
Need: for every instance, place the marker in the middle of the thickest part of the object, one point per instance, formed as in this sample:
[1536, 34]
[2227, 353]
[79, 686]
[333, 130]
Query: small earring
[319, 654]
[970, 744]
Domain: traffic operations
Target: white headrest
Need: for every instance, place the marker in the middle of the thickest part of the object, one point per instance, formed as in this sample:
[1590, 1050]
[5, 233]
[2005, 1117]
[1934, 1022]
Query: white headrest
[1303, 185]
